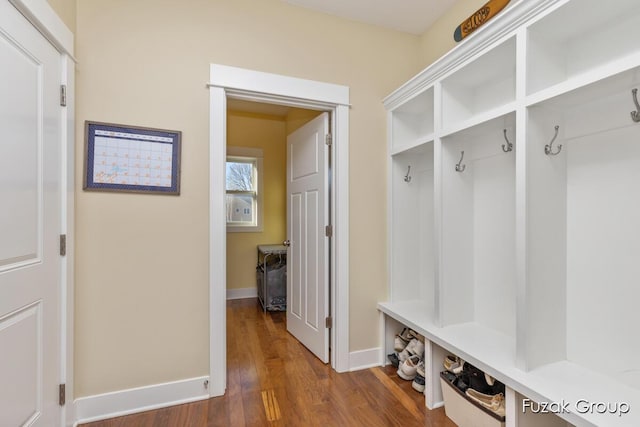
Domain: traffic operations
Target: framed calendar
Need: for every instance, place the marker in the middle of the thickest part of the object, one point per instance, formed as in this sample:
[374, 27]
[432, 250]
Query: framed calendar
[131, 159]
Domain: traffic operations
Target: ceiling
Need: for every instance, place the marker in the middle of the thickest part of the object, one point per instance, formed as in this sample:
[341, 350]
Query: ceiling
[409, 16]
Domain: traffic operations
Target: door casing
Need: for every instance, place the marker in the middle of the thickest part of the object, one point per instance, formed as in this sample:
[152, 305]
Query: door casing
[232, 82]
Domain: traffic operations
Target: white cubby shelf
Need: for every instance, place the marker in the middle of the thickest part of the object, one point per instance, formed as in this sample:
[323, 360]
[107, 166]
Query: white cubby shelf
[412, 123]
[523, 259]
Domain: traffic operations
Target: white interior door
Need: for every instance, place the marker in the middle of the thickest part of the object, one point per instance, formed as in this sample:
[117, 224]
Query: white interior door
[307, 216]
[30, 220]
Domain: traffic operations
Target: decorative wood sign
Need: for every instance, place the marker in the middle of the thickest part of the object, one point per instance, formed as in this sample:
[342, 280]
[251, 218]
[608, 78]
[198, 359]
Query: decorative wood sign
[482, 15]
[131, 159]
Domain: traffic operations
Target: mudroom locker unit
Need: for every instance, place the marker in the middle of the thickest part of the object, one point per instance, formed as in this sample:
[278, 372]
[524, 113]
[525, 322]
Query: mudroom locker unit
[514, 206]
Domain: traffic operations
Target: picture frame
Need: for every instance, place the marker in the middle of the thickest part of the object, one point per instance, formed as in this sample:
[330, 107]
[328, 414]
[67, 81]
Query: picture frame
[134, 159]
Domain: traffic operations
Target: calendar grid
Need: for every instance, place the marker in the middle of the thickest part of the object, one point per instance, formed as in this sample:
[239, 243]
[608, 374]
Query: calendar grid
[131, 159]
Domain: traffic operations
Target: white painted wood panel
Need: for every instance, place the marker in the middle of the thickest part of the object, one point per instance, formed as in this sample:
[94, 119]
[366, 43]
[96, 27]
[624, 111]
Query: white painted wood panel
[20, 181]
[20, 365]
[30, 184]
[412, 238]
[494, 240]
[295, 294]
[603, 249]
[307, 276]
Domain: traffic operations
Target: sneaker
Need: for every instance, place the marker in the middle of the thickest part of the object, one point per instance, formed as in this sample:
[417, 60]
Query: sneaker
[416, 335]
[493, 403]
[402, 339]
[399, 343]
[407, 334]
[415, 347]
[393, 358]
[453, 364]
[450, 362]
[419, 381]
[408, 369]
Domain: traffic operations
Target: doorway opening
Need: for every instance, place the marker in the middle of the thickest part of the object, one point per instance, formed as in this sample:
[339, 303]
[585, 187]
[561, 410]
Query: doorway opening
[278, 183]
[231, 83]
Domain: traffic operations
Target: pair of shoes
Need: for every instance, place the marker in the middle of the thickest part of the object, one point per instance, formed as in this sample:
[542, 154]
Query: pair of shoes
[415, 346]
[393, 358]
[409, 368]
[403, 339]
[453, 364]
[419, 380]
[493, 403]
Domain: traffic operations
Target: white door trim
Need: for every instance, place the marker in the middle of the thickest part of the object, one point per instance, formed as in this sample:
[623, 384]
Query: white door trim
[226, 81]
[45, 20]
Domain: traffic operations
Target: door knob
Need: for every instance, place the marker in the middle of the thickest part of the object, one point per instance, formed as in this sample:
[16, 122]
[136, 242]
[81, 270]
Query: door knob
[287, 243]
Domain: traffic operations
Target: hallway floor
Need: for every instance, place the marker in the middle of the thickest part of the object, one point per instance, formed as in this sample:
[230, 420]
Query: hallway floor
[273, 380]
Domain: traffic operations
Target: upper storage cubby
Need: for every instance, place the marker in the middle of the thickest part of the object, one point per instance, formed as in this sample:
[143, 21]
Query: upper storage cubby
[412, 122]
[481, 89]
[412, 227]
[582, 41]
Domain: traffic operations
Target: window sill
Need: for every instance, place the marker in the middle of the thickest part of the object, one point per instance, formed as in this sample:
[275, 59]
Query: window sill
[244, 228]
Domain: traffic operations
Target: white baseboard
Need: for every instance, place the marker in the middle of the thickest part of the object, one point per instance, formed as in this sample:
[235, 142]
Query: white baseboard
[242, 293]
[131, 401]
[364, 359]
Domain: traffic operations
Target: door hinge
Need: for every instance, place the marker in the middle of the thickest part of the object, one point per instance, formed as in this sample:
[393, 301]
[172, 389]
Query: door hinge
[328, 231]
[62, 395]
[63, 95]
[328, 322]
[328, 139]
[63, 244]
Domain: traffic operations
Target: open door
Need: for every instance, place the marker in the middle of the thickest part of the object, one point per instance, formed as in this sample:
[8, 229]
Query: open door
[307, 217]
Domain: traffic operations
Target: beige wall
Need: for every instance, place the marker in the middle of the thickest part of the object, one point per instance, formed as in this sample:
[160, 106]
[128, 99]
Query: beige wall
[66, 10]
[142, 260]
[269, 134]
[438, 40]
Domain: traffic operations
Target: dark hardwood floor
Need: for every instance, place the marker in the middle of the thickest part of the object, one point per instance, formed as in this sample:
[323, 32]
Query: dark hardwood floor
[273, 380]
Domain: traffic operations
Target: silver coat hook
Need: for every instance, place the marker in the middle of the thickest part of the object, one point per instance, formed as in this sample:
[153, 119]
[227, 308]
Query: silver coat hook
[509, 146]
[460, 167]
[548, 149]
[635, 115]
[407, 177]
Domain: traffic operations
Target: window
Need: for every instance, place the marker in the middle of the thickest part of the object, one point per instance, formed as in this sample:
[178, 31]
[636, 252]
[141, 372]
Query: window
[244, 189]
